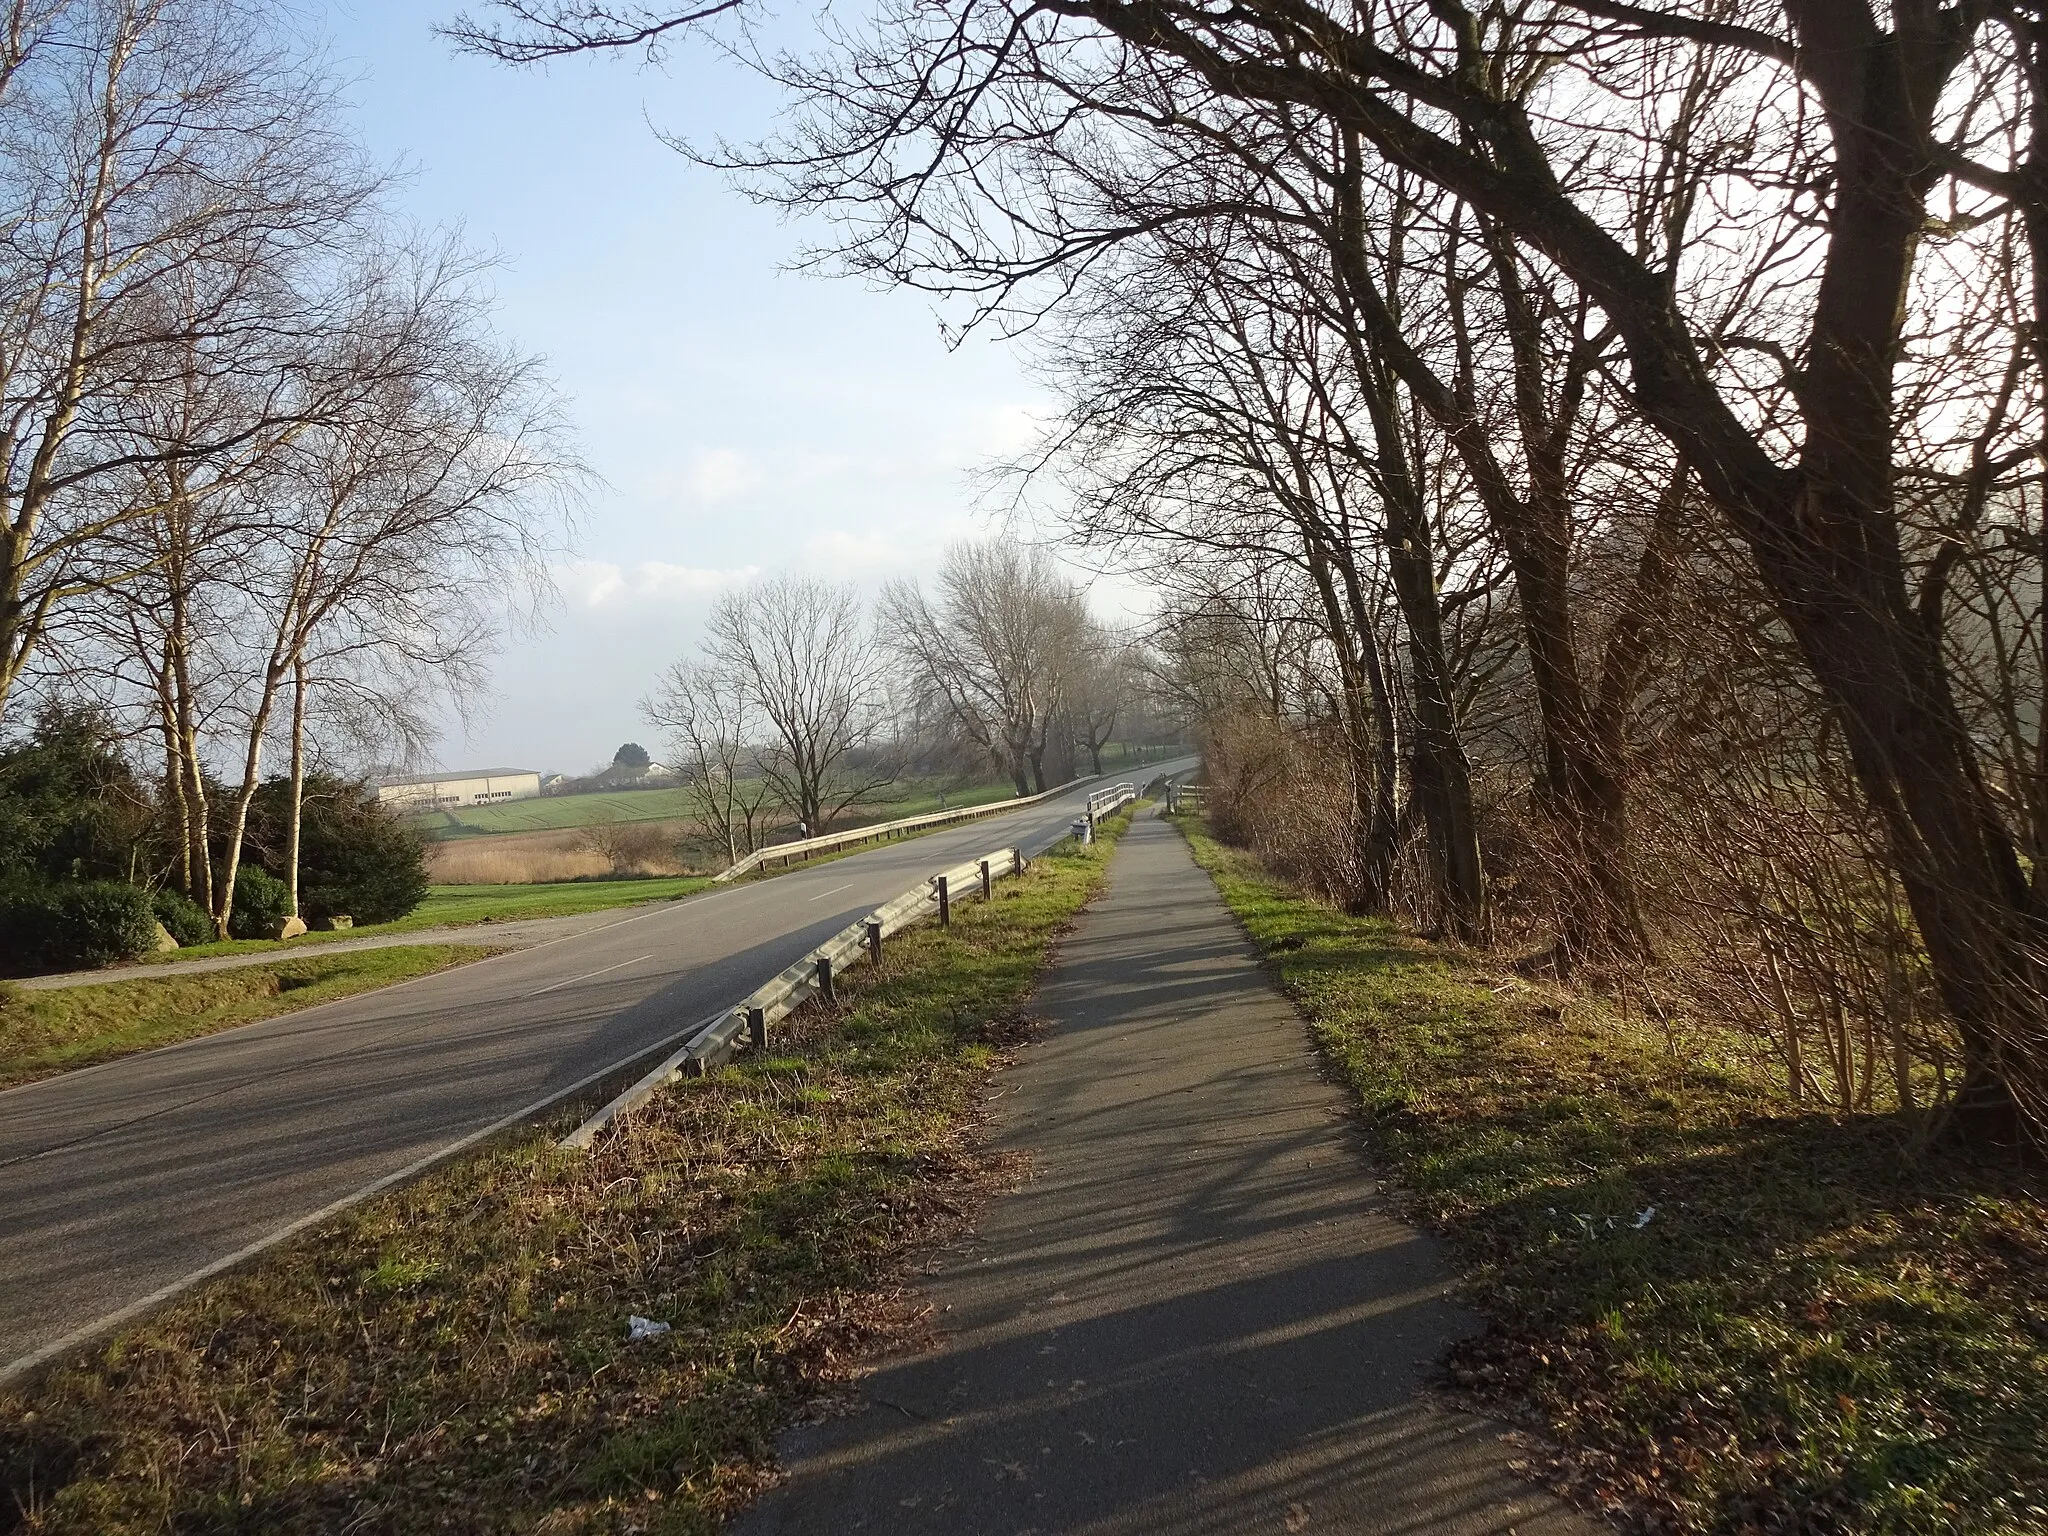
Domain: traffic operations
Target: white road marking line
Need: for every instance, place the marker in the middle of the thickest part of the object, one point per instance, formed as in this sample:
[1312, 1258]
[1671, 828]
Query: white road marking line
[13, 1368]
[569, 981]
[833, 892]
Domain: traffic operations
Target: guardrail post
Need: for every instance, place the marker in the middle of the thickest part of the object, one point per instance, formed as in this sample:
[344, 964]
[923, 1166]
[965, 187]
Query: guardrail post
[1017, 864]
[757, 1029]
[945, 901]
[825, 988]
[875, 942]
[988, 883]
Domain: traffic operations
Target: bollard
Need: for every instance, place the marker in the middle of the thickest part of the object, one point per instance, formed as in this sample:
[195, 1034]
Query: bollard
[875, 941]
[988, 883]
[1017, 861]
[945, 902]
[757, 1029]
[825, 987]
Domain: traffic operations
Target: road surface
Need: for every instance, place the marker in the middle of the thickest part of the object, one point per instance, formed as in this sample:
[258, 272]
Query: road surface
[1198, 1316]
[121, 1181]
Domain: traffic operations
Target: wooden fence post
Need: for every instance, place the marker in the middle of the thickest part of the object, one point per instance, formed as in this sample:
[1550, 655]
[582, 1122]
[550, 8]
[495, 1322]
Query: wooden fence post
[825, 988]
[875, 942]
[757, 1029]
[945, 902]
[988, 883]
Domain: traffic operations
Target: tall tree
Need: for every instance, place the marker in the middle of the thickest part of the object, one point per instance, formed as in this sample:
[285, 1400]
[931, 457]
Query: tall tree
[995, 653]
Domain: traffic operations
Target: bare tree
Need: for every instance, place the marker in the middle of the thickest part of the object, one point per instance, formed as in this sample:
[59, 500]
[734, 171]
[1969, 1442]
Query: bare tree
[167, 166]
[801, 651]
[1099, 689]
[995, 653]
[708, 714]
[381, 541]
[1772, 326]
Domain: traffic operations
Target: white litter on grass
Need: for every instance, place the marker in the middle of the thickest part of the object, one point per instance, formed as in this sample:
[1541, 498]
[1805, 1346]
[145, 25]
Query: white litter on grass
[1643, 1217]
[638, 1328]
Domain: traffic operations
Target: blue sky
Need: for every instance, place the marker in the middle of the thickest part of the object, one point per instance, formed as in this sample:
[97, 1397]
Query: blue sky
[743, 418]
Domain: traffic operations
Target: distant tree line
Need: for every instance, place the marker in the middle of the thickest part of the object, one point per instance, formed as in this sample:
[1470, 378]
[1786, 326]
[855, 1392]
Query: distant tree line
[800, 702]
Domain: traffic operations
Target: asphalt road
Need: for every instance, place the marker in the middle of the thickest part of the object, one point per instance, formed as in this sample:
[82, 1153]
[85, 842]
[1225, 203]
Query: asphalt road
[120, 1182]
[1198, 1315]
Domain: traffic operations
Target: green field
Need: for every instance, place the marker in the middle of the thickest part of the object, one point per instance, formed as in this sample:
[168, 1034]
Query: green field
[553, 813]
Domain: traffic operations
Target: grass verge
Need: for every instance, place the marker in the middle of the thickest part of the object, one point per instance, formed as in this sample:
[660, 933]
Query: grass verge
[454, 1357]
[44, 1033]
[1727, 1315]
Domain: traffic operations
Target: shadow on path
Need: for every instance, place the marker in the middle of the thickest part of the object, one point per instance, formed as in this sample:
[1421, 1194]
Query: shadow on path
[1197, 1316]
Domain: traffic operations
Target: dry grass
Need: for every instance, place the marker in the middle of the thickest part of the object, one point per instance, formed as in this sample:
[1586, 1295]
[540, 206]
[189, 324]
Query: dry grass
[453, 1357]
[538, 858]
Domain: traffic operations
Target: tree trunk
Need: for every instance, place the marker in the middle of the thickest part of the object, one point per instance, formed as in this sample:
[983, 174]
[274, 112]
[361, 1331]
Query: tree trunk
[238, 814]
[298, 789]
[1443, 773]
[1371, 729]
[198, 826]
[174, 768]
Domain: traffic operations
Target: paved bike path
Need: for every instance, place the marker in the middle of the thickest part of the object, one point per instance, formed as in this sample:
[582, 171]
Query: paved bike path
[1199, 1314]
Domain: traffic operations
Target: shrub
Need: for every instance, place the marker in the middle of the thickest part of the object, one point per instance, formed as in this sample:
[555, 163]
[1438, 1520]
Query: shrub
[355, 854]
[183, 918]
[105, 921]
[260, 902]
[27, 916]
[74, 926]
[70, 806]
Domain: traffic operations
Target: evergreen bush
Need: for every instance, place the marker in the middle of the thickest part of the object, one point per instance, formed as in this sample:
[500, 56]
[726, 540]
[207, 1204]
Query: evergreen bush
[260, 902]
[183, 918]
[73, 926]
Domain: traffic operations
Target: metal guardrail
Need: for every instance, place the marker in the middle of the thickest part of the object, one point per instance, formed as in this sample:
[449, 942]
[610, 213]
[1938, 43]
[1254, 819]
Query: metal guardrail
[1103, 801]
[1185, 797]
[745, 1025]
[805, 847]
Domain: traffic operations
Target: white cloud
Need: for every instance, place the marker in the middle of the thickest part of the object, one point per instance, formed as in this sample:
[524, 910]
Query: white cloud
[595, 584]
[840, 554]
[719, 474]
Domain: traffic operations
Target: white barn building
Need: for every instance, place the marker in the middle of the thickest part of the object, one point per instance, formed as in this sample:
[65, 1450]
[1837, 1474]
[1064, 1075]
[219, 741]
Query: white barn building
[452, 790]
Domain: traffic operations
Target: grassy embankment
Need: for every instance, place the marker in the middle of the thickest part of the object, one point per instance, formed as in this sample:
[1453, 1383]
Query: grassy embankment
[1730, 1315]
[458, 906]
[453, 1356]
[43, 1033]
